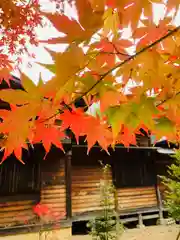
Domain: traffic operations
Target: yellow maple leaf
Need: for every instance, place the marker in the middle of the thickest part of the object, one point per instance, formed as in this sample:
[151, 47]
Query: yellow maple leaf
[111, 21]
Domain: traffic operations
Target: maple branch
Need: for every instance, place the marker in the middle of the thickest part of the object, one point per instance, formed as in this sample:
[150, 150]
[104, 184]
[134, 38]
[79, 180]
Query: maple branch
[170, 33]
[116, 53]
[165, 100]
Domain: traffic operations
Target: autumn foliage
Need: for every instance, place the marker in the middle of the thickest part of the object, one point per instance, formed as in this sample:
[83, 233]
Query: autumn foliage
[98, 65]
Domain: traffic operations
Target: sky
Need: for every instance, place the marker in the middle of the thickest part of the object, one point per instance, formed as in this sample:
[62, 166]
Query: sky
[33, 70]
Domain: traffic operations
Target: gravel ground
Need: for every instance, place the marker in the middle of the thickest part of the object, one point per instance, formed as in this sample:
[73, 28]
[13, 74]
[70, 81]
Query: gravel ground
[147, 233]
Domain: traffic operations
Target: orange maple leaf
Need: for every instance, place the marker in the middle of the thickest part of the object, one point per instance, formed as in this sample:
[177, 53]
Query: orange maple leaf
[98, 131]
[76, 120]
[48, 135]
[126, 137]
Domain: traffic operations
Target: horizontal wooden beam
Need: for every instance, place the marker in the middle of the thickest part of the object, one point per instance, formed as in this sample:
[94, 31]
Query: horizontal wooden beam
[130, 147]
[34, 227]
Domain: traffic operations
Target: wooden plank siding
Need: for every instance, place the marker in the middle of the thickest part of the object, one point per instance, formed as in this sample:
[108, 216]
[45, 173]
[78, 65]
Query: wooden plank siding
[53, 189]
[134, 198]
[17, 211]
[132, 173]
[43, 183]
[86, 189]
[86, 192]
[19, 191]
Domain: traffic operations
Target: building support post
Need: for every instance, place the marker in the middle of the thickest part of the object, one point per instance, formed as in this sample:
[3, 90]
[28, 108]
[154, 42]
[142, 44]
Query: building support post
[140, 221]
[160, 205]
[68, 179]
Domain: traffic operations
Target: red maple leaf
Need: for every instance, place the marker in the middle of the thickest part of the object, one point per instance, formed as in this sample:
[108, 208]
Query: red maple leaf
[126, 137]
[76, 120]
[97, 131]
[48, 135]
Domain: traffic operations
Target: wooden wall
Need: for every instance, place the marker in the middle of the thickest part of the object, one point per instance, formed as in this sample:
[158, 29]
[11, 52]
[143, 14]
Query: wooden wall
[85, 188]
[87, 172]
[86, 192]
[19, 191]
[134, 198]
[42, 183]
[17, 210]
[53, 188]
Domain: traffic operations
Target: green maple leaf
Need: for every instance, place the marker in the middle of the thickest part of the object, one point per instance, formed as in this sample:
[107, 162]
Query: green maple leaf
[164, 125]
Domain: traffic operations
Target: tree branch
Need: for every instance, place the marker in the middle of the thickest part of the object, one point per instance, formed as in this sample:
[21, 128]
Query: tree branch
[165, 100]
[170, 33]
[117, 53]
[131, 57]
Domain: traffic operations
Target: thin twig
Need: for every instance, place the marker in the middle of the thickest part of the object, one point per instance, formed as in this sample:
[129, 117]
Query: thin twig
[165, 100]
[117, 53]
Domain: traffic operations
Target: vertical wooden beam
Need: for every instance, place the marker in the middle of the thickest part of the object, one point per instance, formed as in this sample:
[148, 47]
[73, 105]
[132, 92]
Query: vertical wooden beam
[68, 181]
[160, 205]
[158, 193]
[140, 221]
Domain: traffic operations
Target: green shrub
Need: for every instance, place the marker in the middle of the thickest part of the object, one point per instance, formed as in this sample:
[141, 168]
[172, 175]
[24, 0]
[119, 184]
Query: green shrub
[172, 183]
[107, 226]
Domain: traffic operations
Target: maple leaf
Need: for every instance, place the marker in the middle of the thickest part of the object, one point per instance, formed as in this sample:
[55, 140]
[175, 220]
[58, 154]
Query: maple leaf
[63, 24]
[130, 11]
[5, 74]
[150, 32]
[47, 109]
[76, 120]
[97, 5]
[86, 12]
[65, 65]
[13, 144]
[111, 3]
[97, 131]
[107, 53]
[88, 68]
[164, 127]
[111, 22]
[73, 30]
[48, 135]
[126, 137]
[82, 124]
[116, 98]
[120, 45]
[172, 5]
[14, 96]
[116, 117]
[16, 127]
[173, 114]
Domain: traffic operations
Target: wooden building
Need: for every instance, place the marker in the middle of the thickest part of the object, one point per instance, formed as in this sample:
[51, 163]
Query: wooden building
[69, 183]
[134, 172]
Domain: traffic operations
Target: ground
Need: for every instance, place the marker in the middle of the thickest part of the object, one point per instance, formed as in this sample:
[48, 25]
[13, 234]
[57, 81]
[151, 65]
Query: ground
[147, 233]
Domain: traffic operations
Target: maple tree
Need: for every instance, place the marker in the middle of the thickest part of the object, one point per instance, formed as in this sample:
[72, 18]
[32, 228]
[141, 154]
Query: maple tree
[98, 66]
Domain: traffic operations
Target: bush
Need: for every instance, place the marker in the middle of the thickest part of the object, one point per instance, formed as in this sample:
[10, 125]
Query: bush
[172, 183]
